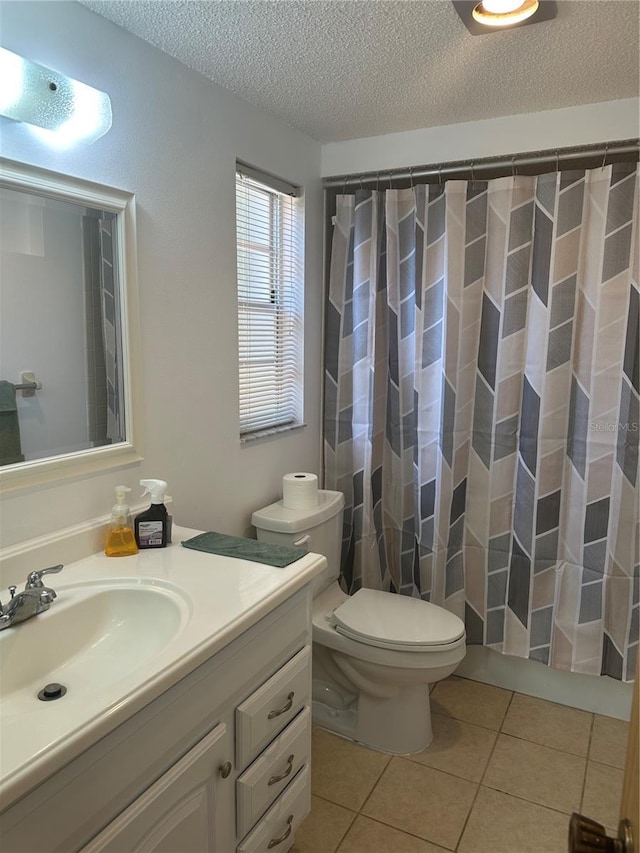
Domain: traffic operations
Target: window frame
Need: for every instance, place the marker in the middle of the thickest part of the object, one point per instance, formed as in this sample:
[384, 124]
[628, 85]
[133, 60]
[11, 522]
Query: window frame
[282, 405]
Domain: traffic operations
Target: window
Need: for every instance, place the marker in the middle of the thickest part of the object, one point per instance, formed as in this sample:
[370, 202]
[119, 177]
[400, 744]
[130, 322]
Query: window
[269, 232]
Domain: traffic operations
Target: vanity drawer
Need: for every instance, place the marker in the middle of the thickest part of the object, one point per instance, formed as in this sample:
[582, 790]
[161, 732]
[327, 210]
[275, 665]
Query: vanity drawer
[276, 829]
[270, 774]
[267, 711]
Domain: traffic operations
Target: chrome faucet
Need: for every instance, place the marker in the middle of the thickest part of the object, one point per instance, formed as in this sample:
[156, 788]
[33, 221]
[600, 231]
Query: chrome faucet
[34, 599]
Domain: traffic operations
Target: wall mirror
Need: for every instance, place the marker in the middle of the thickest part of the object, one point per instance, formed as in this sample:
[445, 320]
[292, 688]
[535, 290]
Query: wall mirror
[68, 323]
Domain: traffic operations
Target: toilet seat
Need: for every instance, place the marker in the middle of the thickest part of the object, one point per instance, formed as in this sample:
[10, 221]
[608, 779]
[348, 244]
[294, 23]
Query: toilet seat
[398, 622]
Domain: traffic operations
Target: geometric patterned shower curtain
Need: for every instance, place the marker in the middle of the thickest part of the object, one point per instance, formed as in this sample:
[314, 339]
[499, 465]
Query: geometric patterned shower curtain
[481, 407]
[111, 328]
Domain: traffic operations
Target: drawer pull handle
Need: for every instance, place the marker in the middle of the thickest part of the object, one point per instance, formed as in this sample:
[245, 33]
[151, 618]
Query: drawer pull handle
[286, 707]
[275, 841]
[279, 778]
[225, 769]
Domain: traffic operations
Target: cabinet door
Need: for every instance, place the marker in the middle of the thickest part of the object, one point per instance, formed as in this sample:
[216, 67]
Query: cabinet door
[178, 812]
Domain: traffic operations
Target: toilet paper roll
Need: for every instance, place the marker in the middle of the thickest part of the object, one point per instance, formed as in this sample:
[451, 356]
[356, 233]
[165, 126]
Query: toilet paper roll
[299, 491]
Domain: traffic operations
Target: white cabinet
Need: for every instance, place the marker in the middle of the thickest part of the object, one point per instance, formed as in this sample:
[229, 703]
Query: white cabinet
[204, 767]
[178, 811]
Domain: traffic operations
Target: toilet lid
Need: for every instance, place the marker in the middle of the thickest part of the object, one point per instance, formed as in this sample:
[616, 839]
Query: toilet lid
[389, 621]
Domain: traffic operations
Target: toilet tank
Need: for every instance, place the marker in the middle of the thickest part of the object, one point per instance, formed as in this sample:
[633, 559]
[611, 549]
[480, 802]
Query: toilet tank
[318, 529]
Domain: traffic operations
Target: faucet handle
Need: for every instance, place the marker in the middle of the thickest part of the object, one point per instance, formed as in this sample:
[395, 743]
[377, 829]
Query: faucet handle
[47, 596]
[34, 579]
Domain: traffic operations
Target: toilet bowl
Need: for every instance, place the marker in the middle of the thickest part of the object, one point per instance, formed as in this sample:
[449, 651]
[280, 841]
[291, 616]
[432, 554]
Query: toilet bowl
[389, 677]
[374, 653]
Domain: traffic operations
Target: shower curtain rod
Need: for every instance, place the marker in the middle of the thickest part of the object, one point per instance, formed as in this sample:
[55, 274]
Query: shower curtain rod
[604, 152]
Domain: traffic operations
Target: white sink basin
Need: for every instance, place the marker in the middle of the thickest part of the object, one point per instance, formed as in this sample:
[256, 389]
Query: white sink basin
[92, 636]
[117, 642]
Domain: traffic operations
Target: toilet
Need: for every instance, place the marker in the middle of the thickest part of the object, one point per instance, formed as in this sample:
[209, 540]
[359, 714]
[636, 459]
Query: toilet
[374, 653]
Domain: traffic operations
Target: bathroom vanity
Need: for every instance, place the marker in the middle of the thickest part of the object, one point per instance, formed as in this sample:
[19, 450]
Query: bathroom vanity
[198, 740]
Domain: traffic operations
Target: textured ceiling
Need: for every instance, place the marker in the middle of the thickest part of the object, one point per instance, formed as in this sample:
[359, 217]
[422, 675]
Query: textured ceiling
[342, 70]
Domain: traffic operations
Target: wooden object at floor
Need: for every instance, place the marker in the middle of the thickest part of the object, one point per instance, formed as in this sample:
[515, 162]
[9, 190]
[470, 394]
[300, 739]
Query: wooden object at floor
[630, 806]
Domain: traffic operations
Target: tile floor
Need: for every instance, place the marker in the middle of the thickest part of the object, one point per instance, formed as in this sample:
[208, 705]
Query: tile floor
[502, 775]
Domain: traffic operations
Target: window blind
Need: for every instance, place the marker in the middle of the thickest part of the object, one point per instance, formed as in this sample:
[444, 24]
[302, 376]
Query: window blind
[269, 232]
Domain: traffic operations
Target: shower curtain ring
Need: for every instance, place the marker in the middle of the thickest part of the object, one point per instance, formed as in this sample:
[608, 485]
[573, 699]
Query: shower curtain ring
[440, 173]
[557, 160]
[411, 177]
[513, 167]
[606, 151]
[472, 174]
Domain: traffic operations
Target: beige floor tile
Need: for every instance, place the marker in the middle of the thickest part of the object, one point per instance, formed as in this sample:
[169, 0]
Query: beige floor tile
[602, 793]
[609, 741]
[536, 773]
[422, 801]
[370, 836]
[457, 747]
[471, 701]
[547, 723]
[344, 772]
[502, 824]
[323, 830]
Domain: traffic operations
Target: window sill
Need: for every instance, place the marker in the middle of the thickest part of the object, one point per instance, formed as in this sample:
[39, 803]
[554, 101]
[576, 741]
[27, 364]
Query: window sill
[268, 433]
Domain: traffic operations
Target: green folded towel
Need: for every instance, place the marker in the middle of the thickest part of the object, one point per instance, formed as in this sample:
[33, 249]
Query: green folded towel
[7, 396]
[245, 549]
[10, 448]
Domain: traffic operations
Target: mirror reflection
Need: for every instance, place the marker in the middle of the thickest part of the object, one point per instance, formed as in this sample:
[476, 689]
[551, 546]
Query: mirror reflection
[60, 328]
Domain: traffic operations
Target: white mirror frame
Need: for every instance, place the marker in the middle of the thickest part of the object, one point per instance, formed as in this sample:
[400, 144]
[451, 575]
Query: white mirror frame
[19, 176]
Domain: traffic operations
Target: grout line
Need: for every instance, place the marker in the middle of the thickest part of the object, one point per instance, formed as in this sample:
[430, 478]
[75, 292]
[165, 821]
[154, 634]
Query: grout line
[585, 757]
[484, 773]
[377, 782]
[529, 802]
[506, 710]
[495, 743]
[406, 832]
[333, 803]
[586, 766]
[440, 770]
[345, 833]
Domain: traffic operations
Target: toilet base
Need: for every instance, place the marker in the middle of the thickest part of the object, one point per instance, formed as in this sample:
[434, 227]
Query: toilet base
[400, 725]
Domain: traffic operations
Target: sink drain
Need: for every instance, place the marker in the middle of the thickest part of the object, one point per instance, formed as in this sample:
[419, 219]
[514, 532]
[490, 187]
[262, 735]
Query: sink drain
[52, 691]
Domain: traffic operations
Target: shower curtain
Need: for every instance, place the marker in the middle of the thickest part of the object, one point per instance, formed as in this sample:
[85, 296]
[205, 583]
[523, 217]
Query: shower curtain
[111, 332]
[481, 407]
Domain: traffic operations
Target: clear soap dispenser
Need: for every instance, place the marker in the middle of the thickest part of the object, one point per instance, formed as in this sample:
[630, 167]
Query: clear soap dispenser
[120, 539]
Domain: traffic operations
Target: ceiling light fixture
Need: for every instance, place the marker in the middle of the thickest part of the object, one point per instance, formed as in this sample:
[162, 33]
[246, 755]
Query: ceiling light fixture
[504, 13]
[61, 109]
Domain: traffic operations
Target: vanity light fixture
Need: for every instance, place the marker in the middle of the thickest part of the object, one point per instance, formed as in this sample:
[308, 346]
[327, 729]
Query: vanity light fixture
[60, 109]
[504, 13]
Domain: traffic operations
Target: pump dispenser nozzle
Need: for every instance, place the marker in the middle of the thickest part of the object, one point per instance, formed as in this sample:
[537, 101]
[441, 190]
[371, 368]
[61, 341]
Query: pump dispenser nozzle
[121, 493]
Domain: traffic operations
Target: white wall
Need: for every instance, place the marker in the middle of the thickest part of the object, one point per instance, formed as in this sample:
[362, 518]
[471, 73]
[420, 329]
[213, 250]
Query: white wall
[174, 142]
[584, 125]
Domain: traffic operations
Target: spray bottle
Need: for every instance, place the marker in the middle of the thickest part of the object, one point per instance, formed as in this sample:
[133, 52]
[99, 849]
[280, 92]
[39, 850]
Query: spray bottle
[152, 526]
[120, 539]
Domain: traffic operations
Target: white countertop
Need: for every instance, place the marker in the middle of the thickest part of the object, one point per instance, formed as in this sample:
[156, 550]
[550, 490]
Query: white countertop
[219, 598]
